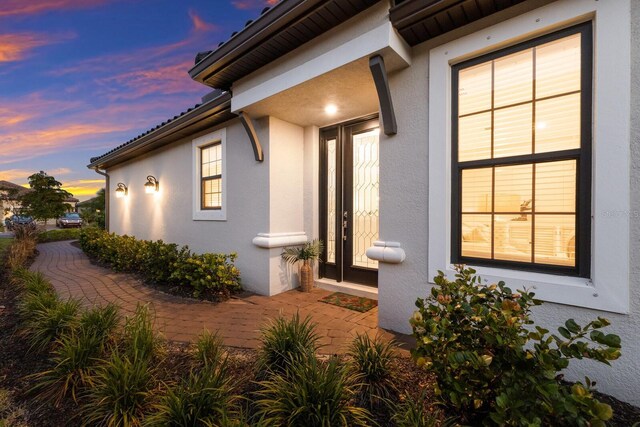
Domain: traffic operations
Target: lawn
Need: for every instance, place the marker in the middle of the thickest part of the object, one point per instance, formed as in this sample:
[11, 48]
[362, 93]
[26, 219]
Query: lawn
[57, 235]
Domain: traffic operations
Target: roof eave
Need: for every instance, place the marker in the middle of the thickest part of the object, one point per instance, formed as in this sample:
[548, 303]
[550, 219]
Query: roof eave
[220, 106]
[284, 28]
[245, 39]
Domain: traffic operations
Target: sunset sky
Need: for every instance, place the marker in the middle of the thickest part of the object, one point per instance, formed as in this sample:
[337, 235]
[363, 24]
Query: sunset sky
[79, 77]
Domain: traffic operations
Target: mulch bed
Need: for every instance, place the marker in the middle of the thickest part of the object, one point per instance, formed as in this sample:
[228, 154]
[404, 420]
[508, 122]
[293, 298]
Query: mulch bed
[351, 302]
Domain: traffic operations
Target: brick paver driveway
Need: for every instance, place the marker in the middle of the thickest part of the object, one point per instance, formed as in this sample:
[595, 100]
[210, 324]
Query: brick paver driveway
[238, 320]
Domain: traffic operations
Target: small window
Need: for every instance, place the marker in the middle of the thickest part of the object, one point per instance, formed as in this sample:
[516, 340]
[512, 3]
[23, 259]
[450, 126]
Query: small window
[211, 176]
[521, 161]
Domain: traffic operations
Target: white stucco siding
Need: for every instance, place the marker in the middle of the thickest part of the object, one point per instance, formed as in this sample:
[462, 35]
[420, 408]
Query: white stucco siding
[404, 195]
[286, 175]
[405, 210]
[168, 215]
[286, 196]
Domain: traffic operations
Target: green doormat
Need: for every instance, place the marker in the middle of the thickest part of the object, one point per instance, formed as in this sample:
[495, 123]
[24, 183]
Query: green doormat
[351, 302]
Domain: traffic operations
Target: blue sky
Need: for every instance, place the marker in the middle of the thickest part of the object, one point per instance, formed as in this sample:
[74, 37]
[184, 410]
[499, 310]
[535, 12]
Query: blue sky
[79, 77]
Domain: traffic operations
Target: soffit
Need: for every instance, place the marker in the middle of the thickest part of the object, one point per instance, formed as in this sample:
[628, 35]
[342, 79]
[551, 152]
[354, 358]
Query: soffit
[421, 20]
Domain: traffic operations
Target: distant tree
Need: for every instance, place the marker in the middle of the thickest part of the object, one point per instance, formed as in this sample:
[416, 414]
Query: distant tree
[93, 210]
[47, 198]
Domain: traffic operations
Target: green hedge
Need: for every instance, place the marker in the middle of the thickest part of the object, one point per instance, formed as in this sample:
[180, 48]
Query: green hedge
[164, 263]
[56, 235]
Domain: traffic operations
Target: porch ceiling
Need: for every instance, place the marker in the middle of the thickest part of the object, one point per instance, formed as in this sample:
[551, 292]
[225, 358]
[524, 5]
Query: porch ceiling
[350, 88]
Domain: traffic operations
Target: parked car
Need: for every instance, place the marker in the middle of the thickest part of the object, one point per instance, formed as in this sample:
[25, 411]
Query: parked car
[71, 219]
[18, 220]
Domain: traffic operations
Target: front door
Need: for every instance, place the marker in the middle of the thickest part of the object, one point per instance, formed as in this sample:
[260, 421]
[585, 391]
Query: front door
[349, 187]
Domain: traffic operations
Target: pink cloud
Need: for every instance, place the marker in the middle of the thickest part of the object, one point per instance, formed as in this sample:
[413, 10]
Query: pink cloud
[77, 124]
[17, 46]
[162, 72]
[130, 92]
[33, 7]
[253, 4]
[199, 24]
[16, 111]
[160, 80]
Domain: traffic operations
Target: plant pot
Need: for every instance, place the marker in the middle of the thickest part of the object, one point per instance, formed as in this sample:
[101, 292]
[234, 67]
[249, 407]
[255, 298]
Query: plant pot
[306, 277]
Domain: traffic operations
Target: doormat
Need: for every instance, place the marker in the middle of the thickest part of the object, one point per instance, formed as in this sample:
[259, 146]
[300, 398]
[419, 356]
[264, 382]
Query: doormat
[351, 302]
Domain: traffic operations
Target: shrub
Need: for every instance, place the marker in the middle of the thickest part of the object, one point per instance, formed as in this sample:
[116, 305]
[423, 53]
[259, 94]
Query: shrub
[371, 360]
[20, 251]
[33, 303]
[412, 412]
[100, 321]
[49, 319]
[205, 397]
[284, 342]
[72, 360]
[209, 349]
[32, 283]
[214, 273]
[490, 362]
[311, 394]
[160, 262]
[89, 240]
[57, 235]
[140, 340]
[120, 392]
[25, 232]
[156, 258]
[74, 355]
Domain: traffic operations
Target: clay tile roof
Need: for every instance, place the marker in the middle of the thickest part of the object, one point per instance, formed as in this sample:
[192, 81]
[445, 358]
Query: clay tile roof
[6, 185]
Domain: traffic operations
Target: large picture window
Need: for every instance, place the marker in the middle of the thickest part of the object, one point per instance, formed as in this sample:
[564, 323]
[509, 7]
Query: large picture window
[211, 176]
[521, 161]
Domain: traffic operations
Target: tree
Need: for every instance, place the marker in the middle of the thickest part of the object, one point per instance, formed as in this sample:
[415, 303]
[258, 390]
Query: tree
[47, 198]
[93, 210]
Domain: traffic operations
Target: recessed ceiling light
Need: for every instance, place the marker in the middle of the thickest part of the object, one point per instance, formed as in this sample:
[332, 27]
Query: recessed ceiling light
[331, 109]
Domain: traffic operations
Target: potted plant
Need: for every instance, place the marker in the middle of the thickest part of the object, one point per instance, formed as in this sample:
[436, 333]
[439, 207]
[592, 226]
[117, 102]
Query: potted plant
[308, 253]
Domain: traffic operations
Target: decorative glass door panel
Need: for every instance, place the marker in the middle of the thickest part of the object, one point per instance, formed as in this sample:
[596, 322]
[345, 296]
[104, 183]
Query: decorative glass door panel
[349, 188]
[331, 201]
[365, 196]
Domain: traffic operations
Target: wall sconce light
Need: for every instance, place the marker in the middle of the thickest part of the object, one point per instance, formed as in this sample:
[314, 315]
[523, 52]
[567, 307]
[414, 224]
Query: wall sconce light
[121, 190]
[152, 185]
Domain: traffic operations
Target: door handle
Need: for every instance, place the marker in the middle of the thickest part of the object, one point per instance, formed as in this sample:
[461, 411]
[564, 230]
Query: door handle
[345, 224]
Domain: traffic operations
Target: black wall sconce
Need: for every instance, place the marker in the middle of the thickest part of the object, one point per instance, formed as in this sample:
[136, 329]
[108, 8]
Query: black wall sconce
[152, 185]
[121, 190]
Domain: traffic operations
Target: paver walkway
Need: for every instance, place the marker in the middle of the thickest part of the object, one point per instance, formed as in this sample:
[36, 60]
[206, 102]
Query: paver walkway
[237, 321]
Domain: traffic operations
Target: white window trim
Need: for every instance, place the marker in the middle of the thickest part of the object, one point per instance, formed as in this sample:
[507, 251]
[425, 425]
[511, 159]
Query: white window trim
[200, 214]
[608, 288]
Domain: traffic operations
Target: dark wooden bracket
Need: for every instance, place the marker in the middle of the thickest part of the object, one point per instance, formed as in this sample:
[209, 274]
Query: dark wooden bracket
[379, 74]
[251, 131]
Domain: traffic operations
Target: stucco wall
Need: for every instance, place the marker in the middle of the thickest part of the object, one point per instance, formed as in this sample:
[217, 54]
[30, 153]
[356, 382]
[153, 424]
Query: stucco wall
[404, 195]
[168, 215]
[286, 200]
[404, 218]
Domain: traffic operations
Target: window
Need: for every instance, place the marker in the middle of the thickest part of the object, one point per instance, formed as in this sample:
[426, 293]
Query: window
[521, 155]
[211, 176]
